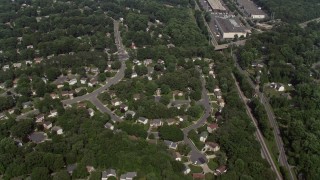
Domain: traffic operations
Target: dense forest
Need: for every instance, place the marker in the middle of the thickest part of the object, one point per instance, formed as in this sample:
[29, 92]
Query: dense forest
[296, 11]
[290, 56]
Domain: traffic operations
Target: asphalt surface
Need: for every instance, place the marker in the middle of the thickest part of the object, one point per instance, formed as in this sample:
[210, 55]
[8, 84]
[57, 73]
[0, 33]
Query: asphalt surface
[258, 134]
[92, 97]
[27, 114]
[271, 117]
[205, 102]
[304, 24]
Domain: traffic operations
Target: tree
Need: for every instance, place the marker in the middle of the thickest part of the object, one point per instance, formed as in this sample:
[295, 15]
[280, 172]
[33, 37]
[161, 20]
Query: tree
[23, 128]
[172, 133]
[62, 175]
[40, 173]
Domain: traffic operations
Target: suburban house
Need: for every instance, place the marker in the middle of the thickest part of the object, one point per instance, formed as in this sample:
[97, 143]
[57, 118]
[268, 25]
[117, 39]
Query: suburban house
[203, 136]
[220, 170]
[27, 104]
[40, 118]
[92, 83]
[171, 122]
[177, 156]
[147, 62]
[73, 81]
[115, 102]
[221, 103]
[81, 105]
[54, 96]
[90, 169]
[132, 113]
[136, 97]
[123, 108]
[38, 137]
[3, 116]
[212, 127]
[71, 168]
[109, 126]
[5, 67]
[108, 173]
[211, 146]
[156, 123]
[47, 125]
[128, 176]
[143, 120]
[182, 118]
[57, 129]
[186, 170]
[134, 75]
[171, 145]
[91, 112]
[218, 94]
[53, 113]
[83, 80]
[195, 158]
[16, 65]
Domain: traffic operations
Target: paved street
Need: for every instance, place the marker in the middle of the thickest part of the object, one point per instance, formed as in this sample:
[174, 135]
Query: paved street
[206, 104]
[102, 108]
[25, 115]
[271, 117]
[265, 151]
[92, 97]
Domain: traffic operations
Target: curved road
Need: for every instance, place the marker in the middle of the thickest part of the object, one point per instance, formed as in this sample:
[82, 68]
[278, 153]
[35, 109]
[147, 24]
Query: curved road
[92, 97]
[206, 103]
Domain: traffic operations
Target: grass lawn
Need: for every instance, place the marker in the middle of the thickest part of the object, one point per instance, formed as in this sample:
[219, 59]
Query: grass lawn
[195, 169]
[26, 110]
[213, 164]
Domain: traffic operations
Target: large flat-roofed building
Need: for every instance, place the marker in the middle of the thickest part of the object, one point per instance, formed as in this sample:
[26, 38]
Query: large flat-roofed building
[230, 27]
[251, 9]
[216, 6]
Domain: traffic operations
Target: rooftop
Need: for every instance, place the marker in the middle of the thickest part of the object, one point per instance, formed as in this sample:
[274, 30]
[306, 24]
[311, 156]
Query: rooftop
[216, 5]
[227, 25]
[250, 7]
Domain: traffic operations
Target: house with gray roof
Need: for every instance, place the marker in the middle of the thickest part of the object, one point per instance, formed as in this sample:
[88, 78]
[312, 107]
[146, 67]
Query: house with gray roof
[108, 173]
[128, 176]
[38, 137]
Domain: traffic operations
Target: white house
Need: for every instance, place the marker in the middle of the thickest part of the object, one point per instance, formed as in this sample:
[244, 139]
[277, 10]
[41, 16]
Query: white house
[73, 81]
[108, 173]
[115, 102]
[83, 80]
[5, 67]
[143, 120]
[91, 112]
[109, 126]
[40, 118]
[53, 113]
[47, 125]
[186, 170]
[156, 123]
[203, 136]
[57, 129]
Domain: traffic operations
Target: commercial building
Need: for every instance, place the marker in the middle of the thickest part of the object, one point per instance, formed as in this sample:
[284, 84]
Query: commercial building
[251, 9]
[216, 6]
[230, 27]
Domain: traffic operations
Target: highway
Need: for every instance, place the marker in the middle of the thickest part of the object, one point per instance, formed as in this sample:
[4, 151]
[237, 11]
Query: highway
[258, 134]
[271, 117]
